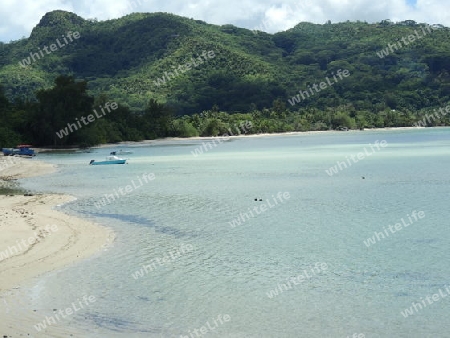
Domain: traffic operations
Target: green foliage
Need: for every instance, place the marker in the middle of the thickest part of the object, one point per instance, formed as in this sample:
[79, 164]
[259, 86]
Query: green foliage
[64, 103]
[10, 122]
[250, 78]
[8, 138]
[183, 128]
[342, 120]
[122, 58]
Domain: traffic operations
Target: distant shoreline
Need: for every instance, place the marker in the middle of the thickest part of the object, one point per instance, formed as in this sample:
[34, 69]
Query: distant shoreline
[207, 138]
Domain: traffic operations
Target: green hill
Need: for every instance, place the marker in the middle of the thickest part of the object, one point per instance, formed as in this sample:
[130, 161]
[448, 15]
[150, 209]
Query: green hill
[123, 59]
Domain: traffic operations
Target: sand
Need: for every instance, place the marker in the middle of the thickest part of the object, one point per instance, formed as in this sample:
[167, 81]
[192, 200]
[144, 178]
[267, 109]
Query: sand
[169, 140]
[36, 239]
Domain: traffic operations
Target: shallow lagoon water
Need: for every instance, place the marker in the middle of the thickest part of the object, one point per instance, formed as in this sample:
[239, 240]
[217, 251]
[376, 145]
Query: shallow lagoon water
[231, 270]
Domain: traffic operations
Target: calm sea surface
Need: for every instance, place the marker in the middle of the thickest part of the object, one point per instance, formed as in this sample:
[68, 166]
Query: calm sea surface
[200, 267]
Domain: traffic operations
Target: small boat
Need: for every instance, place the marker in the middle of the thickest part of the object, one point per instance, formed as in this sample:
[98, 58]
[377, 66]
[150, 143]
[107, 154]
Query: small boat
[109, 160]
[121, 152]
[22, 150]
[84, 150]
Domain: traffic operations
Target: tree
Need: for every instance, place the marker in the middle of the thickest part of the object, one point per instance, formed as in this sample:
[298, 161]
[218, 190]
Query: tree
[158, 118]
[9, 118]
[57, 107]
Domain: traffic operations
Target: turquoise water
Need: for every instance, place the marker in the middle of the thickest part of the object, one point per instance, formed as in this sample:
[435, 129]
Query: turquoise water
[213, 269]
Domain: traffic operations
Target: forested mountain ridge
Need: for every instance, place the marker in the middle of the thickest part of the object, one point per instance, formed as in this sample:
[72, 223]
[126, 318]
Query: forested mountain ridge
[124, 57]
[392, 81]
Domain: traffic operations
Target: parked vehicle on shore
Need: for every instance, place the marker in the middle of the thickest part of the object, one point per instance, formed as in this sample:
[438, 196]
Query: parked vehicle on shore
[22, 150]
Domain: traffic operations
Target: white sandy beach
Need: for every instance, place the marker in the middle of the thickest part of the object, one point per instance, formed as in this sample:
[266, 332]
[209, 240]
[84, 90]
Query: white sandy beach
[35, 239]
[207, 138]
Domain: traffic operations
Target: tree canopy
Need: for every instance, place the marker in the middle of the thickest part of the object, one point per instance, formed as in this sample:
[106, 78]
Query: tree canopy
[251, 77]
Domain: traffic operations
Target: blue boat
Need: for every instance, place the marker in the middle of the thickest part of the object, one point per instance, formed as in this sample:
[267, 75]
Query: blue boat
[21, 150]
[109, 160]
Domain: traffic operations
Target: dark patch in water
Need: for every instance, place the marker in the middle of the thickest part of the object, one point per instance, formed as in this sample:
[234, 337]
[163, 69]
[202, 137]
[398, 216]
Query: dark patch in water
[410, 276]
[401, 294]
[110, 323]
[116, 324]
[144, 221]
[143, 298]
[125, 218]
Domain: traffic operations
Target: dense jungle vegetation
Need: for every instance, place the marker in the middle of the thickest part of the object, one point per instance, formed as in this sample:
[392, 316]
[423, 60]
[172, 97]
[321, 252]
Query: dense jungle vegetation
[251, 78]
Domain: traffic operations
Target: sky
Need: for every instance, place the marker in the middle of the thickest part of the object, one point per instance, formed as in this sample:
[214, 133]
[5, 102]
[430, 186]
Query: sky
[17, 18]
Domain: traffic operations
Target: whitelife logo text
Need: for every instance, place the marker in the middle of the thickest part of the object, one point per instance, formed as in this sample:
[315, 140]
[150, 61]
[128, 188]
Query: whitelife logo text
[53, 47]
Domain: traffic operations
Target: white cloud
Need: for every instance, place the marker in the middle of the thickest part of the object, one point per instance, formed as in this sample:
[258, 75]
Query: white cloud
[106, 9]
[17, 18]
